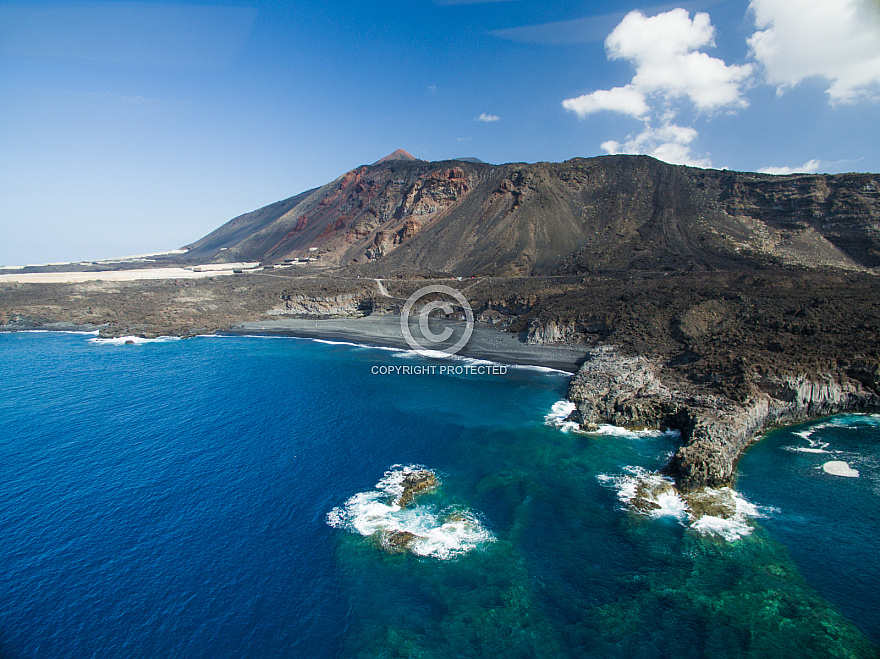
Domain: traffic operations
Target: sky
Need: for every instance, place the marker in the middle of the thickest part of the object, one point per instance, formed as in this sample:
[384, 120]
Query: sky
[135, 127]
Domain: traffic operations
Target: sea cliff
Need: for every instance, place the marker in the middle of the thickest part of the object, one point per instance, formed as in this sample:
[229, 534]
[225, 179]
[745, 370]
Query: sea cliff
[636, 391]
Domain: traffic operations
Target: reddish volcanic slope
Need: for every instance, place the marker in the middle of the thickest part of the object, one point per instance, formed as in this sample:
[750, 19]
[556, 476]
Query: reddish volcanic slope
[400, 154]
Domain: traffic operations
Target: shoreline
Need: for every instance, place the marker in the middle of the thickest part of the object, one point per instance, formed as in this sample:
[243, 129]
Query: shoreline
[612, 389]
[487, 343]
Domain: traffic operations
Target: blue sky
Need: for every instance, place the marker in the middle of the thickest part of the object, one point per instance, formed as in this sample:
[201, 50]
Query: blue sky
[132, 127]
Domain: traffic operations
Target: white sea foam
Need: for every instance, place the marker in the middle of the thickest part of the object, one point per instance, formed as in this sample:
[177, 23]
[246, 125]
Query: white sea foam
[473, 361]
[541, 369]
[727, 529]
[845, 421]
[734, 525]
[840, 421]
[132, 340]
[618, 431]
[368, 346]
[338, 343]
[558, 414]
[442, 533]
[439, 354]
[816, 446]
[653, 495]
[840, 468]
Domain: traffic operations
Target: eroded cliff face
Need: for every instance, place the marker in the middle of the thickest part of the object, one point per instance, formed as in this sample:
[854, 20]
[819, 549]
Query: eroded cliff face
[635, 392]
[360, 217]
[298, 305]
[804, 219]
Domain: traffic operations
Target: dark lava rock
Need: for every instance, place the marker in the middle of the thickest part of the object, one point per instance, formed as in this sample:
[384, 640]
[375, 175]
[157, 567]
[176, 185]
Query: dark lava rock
[397, 542]
[414, 483]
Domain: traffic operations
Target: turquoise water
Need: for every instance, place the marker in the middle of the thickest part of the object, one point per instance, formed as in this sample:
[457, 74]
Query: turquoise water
[203, 498]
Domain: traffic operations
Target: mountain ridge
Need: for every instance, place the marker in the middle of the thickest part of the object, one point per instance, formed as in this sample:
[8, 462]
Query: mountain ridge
[582, 215]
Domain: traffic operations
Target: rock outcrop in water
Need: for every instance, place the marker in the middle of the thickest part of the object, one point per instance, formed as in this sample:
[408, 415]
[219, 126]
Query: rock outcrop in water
[396, 542]
[630, 392]
[415, 483]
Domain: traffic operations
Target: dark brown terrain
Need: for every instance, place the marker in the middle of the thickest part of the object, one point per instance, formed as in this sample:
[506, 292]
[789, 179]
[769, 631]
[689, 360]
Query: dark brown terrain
[717, 302]
[584, 215]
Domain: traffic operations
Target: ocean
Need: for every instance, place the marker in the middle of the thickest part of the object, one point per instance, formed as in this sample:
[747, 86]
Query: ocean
[225, 496]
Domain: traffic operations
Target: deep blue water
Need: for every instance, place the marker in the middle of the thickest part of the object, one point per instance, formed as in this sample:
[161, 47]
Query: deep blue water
[171, 500]
[830, 524]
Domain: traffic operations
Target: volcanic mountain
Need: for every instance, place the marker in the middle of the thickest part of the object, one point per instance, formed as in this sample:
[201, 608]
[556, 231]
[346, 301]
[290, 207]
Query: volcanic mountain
[584, 215]
[400, 154]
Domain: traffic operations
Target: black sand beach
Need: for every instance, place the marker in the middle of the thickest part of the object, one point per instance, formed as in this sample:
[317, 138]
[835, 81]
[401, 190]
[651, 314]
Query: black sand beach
[485, 342]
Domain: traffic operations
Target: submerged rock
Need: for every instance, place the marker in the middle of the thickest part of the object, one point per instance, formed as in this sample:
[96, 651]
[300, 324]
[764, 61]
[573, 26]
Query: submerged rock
[711, 502]
[396, 542]
[648, 492]
[719, 513]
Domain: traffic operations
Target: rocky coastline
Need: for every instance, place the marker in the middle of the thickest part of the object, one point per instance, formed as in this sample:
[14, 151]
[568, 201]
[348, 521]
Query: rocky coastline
[720, 356]
[635, 392]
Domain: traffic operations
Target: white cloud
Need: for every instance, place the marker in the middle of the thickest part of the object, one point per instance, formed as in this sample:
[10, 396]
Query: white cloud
[669, 142]
[671, 73]
[809, 167]
[838, 40]
[626, 100]
[665, 51]
[488, 118]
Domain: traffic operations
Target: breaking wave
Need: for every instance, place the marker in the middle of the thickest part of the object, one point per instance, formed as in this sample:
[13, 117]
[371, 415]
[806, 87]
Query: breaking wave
[647, 493]
[618, 431]
[558, 415]
[718, 512]
[442, 533]
[473, 361]
[132, 340]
